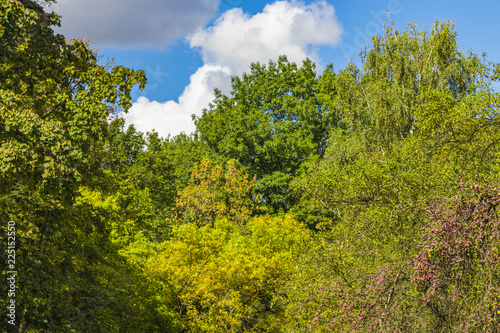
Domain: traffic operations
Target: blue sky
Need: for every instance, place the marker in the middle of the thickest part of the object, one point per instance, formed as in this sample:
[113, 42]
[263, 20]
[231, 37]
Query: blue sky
[189, 47]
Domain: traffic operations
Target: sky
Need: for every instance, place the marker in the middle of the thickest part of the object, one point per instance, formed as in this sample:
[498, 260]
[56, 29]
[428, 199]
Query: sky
[189, 47]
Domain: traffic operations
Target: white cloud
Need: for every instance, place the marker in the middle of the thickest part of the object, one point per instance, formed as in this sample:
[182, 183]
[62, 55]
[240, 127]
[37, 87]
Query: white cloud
[283, 27]
[229, 46]
[132, 23]
[175, 117]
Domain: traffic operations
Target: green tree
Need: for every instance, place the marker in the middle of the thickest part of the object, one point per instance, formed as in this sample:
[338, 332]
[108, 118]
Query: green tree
[54, 91]
[122, 147]
[165, 168]
[55, 99]
[417, 115]
[271, 123]
[416, 119]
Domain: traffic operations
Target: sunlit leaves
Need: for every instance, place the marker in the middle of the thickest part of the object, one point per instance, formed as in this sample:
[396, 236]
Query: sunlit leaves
[214, 192]
[55, 100]
[226, 277]
[419, 117]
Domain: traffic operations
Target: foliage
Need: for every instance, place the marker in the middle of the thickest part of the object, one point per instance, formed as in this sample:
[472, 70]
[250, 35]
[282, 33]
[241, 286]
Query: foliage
[412, 129]
[75, 278]
[271, 123]
[449, 286]
[120, 231]
[370, 304]
[227, 278]
[395, 142]
[55, 99]
[165, 168]
[458, 263]
[213, 193]
[46, 84]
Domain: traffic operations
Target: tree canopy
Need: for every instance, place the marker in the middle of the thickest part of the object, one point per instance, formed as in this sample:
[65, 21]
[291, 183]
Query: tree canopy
[271, 123]
[352, 200]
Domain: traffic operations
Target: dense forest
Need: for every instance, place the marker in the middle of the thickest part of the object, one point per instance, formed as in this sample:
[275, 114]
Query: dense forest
[363, 199]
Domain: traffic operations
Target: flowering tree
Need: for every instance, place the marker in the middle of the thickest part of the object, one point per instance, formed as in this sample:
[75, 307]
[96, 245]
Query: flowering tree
[457, 268]
[451, 285]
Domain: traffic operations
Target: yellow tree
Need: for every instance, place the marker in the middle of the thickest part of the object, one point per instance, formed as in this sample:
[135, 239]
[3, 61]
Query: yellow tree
[227, 278]
[213, 192]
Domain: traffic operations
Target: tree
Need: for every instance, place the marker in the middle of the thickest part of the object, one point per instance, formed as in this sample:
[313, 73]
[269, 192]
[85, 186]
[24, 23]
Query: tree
[450, 285]
[54, 91]
[122, 147]
[227, 278]
[55, 99]
[213, 193]
[417, 120]
[417, 115]
[271, 123]
[165, 167]
[456, 269]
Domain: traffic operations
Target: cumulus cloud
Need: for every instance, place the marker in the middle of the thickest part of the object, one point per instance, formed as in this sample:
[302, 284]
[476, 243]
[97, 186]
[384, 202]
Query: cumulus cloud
[176, 117]
[290, 28]
[229, 46]
[131, 23]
